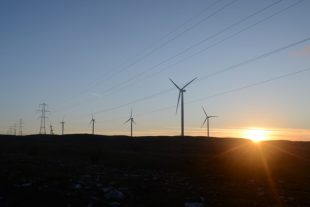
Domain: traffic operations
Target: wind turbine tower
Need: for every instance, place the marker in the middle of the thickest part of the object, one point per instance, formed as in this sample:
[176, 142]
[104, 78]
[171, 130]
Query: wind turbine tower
[51, 129]
[131, 122]
[92, 121]
[181, 96]
[62, 127]
[207, 120]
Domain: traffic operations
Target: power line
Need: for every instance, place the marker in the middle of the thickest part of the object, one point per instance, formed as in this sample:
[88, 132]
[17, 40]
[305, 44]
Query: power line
[167, 41]
[189, 28]
[248, 61]
[228, 68]
[206, 48]
[258, 83]
[192, 18]
[192, 46]
[255, 58]
[135, 101]
[176, 36]
[253, 84]
[198, 43]
[119, 86]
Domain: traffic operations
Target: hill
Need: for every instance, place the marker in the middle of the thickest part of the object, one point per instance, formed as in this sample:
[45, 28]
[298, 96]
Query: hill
[86, 170]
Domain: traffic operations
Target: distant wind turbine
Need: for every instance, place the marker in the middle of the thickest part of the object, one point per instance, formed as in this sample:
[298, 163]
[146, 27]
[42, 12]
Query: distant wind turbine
[181, 91]
[131, 122]
[207, 120]
[51, 129]
[62, 127]
[92, 121]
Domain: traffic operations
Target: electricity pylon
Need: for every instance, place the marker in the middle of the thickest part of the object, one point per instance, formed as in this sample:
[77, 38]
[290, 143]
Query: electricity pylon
[43, 117]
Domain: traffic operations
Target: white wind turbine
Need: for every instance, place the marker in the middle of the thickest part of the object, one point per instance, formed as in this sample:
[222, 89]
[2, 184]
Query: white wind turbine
[181, 96]
[62, 127]
[207, 120]
[92, 121]
[131, 122]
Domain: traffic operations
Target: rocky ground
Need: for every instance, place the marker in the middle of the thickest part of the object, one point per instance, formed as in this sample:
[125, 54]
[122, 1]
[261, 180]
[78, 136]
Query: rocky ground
[90, 171]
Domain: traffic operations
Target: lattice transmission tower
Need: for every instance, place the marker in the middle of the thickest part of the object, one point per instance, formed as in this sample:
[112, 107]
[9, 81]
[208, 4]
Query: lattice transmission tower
[43, 117]
[62, 127]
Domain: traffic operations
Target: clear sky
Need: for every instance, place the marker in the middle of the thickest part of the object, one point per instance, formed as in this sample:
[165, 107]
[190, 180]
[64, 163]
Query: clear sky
[104, 57]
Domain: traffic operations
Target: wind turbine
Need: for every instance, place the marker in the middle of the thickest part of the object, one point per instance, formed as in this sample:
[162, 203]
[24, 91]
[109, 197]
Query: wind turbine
[131, 122]
[181, 91]
[62, 127]
[51, 129]
[207, 120]
[92, 121]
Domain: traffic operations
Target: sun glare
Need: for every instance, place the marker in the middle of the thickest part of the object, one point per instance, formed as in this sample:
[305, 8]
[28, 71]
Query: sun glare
[256, 135]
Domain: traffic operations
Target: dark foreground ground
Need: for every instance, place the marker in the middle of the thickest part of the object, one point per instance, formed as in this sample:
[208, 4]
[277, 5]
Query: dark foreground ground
[90, 171]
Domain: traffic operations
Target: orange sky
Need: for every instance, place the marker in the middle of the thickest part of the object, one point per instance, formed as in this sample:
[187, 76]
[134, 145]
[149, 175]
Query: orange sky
[272, 133]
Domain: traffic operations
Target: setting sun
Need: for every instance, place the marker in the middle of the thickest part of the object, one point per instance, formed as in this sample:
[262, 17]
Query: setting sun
[256, 135]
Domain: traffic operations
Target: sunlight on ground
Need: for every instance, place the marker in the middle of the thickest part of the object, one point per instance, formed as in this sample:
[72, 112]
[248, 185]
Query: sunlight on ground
[256, 135]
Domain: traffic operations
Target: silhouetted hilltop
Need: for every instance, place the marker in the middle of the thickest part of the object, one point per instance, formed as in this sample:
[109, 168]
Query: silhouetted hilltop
[84, 169]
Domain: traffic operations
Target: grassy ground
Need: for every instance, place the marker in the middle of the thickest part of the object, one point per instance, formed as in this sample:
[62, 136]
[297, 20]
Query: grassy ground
[83, 170]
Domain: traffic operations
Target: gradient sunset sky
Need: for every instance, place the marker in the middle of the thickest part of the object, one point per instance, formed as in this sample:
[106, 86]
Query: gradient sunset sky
[252, 60]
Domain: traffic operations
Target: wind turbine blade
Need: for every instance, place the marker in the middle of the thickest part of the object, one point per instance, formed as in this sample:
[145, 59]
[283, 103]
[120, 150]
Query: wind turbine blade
[212, 116]
[127, 121]
[175, 84]
[176, 111]
[131, 113]
[204, 111]
[204, 122]
[134, 122]
[189, 83]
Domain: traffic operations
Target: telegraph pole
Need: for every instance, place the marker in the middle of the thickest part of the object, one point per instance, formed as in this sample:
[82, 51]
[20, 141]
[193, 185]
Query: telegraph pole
[43, 117]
